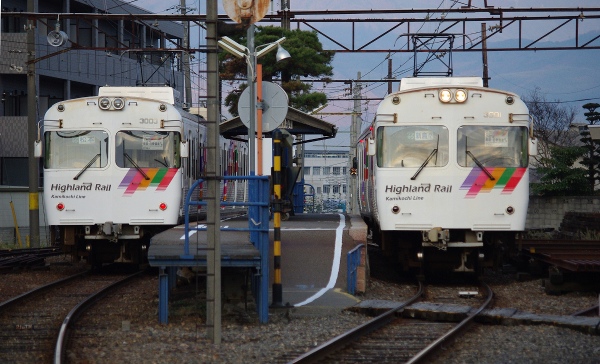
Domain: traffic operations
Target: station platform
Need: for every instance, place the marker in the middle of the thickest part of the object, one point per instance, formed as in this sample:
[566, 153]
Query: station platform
[246, 245]
[170, 250]
[316, 248]
[167, 248]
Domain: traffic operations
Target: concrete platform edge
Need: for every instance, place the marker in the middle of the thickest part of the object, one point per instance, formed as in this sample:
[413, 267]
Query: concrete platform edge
[497, 316]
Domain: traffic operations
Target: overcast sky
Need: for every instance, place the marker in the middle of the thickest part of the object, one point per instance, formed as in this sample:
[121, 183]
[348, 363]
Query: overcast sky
[571, 77]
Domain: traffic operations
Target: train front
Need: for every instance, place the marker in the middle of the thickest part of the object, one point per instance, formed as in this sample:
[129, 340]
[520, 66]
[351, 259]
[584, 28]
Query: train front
[111, 174]
[451, 172]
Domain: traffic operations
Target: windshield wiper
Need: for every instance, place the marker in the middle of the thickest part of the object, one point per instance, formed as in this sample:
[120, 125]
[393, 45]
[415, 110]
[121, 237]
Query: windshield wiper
[480, 165]
[87, 166]
[165, 163]
[136, 166]
[433, 152]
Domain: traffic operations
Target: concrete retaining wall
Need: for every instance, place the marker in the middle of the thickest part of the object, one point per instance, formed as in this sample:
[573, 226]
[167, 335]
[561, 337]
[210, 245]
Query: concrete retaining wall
[548, 212]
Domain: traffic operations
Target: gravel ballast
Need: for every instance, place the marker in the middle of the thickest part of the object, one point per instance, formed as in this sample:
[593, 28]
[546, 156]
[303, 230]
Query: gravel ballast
[124, 327]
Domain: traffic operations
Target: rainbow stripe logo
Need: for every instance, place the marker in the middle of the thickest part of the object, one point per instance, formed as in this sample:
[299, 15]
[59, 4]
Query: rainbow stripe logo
[478, 181]
[159, 178]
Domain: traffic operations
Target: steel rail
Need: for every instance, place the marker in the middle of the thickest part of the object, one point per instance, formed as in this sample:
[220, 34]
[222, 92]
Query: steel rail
[63, 334]
[19, 258]
[587, 311]
[40, 289]
[436, 344]
[342, 340]
[22, 251]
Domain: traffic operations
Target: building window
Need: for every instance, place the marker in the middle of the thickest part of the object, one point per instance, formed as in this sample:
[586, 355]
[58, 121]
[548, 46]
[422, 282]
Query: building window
[344, 189]
[306, 171]
[345, 171]
[336, 189]
[326, 189]
[15, 171]
[336, 171]
[326, 171]
[15, 103]
[318, 190]
[316, 171]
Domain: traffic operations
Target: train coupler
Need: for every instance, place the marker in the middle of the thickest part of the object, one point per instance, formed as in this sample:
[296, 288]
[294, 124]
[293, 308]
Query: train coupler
[436, 237]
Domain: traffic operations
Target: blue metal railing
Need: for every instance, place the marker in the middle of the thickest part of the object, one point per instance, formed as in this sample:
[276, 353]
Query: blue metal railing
[258, 226]
[353, 262]
[310, 207]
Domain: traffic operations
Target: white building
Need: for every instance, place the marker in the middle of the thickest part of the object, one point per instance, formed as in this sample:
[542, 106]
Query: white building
[326, 176]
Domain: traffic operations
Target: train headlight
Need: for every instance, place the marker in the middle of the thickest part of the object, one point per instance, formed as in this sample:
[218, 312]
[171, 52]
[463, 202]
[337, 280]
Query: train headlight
[61, 107]
[395, 209]
[460, 95]
[162, 206]
[60, 206]
[104, 103]
[118, 103]
[445, 95]
[395, 100]
[510, 100]
[510, 210]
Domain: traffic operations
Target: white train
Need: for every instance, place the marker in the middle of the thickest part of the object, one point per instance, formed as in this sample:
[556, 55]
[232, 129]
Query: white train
[443, 173]
[117, 167]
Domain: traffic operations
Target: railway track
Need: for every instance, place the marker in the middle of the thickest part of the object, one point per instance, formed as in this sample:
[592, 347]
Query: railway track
[34, 326]
[389, 338]
[11, 259]
[592, 311]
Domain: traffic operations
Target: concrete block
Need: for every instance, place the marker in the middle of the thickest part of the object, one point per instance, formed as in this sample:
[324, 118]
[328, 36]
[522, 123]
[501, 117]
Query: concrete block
[361, 280]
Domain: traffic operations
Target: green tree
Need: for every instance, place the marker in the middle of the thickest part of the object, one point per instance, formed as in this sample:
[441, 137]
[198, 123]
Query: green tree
[591, 159]
[308, 60]
[559, 177]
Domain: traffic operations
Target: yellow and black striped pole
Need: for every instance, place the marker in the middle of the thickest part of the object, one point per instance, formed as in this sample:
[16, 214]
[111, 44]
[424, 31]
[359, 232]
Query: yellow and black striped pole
[277, 288]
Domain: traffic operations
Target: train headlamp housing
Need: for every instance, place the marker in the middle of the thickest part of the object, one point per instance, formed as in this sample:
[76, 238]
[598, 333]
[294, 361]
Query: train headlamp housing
[118, 103]
[162, 206]
[445, 95]
[60, 206]
[107, 103]
[104, 103]
[451, 96]
[460, 96]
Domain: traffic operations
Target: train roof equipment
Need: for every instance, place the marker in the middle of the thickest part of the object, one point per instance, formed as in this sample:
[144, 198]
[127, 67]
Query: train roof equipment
[409, 83]
[161, 93]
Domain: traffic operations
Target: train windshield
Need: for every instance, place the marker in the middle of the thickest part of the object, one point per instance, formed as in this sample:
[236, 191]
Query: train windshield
[76, 149]
[492, 146]
[147, 149]
[412, 146]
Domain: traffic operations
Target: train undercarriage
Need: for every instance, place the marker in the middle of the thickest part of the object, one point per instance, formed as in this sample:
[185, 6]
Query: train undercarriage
[439, 251]
[105, 243]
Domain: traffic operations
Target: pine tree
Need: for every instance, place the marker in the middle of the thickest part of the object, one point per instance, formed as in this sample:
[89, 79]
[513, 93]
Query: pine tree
[591, 159]
[308, 60]
[559, 177]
